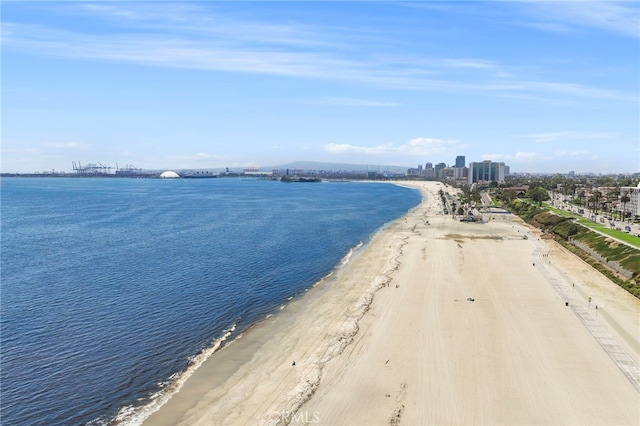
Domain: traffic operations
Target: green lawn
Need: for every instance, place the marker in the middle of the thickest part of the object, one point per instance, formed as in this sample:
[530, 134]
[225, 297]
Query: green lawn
[602, 227]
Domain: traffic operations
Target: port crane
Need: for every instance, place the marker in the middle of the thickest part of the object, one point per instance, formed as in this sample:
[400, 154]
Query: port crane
[91, 168]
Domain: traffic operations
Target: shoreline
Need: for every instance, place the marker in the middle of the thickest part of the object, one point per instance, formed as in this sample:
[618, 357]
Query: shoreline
[256, 331]
[233, 349]
[223, 364]
[373, 344]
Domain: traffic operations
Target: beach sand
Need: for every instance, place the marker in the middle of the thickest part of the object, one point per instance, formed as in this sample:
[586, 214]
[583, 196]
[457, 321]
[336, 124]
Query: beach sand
[393, 339]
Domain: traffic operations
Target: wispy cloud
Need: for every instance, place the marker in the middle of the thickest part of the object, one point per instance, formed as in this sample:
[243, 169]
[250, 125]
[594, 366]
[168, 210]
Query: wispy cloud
[553, 137]
[620, 17]
[193, 37]
[524, 157]
[415, 147]
[202, 20]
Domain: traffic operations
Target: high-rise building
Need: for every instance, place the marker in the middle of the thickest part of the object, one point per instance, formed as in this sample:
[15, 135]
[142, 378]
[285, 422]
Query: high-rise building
[460, 161]
[460, 173]
[486, 171]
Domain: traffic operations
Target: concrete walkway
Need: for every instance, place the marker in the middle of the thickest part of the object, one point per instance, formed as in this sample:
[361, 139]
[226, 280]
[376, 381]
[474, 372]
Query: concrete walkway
[619, 356]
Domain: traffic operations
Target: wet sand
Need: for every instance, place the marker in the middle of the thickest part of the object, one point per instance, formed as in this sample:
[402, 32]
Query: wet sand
[392, 339]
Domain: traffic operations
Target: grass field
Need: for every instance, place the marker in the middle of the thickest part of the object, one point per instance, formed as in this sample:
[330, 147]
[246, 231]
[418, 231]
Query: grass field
[600, 227]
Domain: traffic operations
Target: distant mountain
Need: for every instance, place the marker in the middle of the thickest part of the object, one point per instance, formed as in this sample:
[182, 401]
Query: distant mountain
[316, 165]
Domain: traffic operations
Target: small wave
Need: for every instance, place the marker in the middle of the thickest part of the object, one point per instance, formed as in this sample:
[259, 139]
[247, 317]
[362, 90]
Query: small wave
[323, 279]
[135, 415]
[347, 257]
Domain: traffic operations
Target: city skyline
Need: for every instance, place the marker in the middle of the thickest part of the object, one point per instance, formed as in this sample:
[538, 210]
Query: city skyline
[543, 86]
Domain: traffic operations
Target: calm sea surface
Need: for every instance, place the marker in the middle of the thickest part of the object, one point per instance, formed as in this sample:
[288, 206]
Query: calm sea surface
[111, 287]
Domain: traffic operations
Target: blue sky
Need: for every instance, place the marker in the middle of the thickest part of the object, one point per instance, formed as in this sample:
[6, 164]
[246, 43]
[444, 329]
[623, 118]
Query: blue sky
[545, 86]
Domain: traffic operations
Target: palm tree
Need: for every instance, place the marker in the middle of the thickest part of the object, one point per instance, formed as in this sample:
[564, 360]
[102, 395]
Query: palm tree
[580, 197]
[591, 201]
[596, 196]
[624, 200]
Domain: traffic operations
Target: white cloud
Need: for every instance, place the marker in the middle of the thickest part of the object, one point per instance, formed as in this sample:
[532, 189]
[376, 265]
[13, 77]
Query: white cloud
[525, 155]
[543, 138]
[415, 147]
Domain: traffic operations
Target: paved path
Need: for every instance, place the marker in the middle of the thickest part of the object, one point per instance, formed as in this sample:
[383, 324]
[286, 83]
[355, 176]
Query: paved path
[621, 358]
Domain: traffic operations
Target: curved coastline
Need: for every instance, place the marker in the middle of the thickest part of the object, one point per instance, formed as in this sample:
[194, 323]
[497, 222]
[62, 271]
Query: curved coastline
[130, 415]
[232, 346]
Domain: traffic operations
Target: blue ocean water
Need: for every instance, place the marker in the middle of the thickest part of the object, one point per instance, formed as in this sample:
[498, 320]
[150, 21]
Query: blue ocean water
[110, 287]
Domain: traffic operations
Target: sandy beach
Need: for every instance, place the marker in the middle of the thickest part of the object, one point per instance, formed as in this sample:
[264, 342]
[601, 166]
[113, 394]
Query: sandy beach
[392, 338]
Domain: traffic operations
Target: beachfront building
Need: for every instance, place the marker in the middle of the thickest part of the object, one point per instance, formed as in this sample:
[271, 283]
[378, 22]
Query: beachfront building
[486, 171]
[460, 173]
[454, 173]
[441, 171]
[429, 171]
[438, 170]
[633, 206]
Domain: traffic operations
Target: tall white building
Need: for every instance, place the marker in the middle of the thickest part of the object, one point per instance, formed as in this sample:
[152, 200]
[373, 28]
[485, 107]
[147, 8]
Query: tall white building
[486, 171]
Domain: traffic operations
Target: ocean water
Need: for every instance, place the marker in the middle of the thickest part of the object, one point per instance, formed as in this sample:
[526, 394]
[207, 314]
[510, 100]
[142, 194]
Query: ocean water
[113, 288]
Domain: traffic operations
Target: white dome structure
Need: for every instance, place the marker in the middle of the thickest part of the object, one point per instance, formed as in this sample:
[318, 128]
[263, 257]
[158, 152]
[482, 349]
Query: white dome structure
[169, 175]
